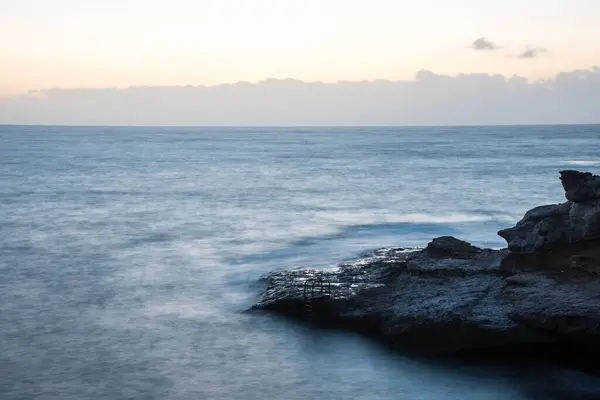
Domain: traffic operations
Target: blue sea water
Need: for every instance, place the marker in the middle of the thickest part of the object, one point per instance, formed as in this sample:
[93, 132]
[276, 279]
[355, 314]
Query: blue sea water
[127, 255]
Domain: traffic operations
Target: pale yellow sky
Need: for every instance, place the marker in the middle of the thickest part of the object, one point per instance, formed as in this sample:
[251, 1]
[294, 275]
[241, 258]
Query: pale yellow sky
[118, 43]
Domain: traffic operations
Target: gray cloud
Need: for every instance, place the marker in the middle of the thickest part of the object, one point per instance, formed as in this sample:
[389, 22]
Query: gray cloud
[483, 44]
[429, 99]
[532, 52]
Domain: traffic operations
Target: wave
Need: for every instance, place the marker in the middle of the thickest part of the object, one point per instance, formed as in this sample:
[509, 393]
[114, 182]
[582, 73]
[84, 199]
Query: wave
[326, 225]
[371, 230]
[366, 218]
[583, 162]
[452, 218]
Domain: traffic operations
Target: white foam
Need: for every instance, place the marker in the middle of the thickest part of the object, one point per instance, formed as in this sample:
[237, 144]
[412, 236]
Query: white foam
[583, 162]
[368, 218]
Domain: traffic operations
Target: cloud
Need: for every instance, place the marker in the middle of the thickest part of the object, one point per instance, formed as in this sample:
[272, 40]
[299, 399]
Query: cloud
[482, 43]
[429, 99]
[532, 52]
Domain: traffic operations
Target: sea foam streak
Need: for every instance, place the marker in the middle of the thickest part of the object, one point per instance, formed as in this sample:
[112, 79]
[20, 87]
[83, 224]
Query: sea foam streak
[367, 218]
[583, 162]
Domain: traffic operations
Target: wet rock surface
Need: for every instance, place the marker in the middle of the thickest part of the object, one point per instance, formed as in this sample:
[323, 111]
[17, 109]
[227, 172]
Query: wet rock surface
[451, 296]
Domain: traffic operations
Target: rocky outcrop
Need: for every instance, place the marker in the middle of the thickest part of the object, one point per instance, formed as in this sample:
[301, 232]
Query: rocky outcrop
[553, 226]
[451, 296]
[439, 301]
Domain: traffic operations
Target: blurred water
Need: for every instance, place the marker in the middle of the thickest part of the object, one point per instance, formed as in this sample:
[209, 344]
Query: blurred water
[128, 254]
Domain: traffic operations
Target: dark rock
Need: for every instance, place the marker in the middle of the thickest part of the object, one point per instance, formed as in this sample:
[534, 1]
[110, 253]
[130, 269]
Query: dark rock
[450, 246]
[580, 186]
[432, 303]
[584, 220]
[542, 227]
[548, 227]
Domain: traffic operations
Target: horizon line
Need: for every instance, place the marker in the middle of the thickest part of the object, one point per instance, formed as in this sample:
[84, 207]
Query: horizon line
[295, 126]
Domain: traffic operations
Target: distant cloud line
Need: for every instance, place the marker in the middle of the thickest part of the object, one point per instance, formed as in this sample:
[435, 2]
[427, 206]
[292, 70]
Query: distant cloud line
[429, 99]
[483, 44]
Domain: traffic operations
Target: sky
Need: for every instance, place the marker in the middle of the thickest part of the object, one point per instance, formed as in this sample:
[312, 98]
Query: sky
[120, 43]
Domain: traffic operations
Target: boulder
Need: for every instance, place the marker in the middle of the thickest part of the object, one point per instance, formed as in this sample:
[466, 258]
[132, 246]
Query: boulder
[580, 186]
[541, 228]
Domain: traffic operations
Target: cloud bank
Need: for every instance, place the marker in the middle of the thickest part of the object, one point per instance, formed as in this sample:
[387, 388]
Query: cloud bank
[429, 99]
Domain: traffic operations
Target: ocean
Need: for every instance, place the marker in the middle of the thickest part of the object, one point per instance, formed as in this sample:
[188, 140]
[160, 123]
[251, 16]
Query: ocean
[128, 255]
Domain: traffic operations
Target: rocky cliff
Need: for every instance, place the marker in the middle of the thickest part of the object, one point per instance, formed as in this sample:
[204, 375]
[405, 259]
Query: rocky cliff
[451, 296]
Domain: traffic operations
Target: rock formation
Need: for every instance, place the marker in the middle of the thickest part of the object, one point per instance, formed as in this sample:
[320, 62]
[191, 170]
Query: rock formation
[452, 296]
[558, 225]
